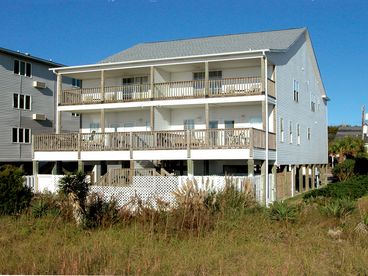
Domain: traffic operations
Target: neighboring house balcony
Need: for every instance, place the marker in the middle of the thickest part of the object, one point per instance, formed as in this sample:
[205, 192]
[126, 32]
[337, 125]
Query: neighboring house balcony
[230, 143]
[189, 89]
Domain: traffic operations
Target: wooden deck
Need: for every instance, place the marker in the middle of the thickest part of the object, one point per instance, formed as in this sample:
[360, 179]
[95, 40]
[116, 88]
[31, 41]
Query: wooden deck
[245, 86]
[236, 138]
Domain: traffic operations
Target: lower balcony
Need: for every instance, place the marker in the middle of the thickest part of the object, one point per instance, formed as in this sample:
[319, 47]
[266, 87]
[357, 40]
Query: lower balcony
[154, 145]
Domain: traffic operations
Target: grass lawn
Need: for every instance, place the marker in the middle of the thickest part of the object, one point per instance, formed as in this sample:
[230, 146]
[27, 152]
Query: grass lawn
[244, 244]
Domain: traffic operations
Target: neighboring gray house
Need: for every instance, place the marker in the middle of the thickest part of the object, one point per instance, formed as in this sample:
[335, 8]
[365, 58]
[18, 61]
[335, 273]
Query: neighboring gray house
[27, 105]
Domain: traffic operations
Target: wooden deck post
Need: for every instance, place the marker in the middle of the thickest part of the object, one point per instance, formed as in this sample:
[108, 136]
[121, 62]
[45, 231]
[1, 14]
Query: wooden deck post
[301, 179]
[35, 174]
[250, 167]
[274, 184]
[307, 178]
[190, 167]
[81, 166]
[263, 182]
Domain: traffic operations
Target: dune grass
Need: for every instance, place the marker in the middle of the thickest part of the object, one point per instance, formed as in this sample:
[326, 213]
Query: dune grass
[241, 243]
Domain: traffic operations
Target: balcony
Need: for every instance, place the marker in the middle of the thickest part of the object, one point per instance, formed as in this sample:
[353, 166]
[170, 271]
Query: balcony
[244, 86]
[237, 138]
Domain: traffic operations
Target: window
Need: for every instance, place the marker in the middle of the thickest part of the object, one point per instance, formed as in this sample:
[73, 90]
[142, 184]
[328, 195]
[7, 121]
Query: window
[281, 130]
[22, 68]
[298, 134]
[229, 123]
[313, 103]
[290, 132]
[75, 114]
[21, 135]
[77, 83]
[212, 75]
[22, 101]
[309, 133]
[296, 91]
[188, 124]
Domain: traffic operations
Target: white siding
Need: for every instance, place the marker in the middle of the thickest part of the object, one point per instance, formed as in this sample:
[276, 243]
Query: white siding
[296, 64]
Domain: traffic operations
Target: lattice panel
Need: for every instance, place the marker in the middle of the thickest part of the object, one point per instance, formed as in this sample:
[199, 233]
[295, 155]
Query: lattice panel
[148, 188]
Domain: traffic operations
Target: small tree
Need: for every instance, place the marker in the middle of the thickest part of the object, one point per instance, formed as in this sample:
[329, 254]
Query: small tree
[347, 147]
[14, 195]
[344, 170]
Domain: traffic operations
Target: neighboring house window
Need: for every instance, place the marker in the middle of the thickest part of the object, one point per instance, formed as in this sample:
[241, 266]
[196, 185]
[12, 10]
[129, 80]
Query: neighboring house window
[188, 124]
[77, 83]
[309, 133]
[21, 135]
[22, 68]
[22, 101]
[298, 133]
[296, 91]
[281, 130]
[290, 132]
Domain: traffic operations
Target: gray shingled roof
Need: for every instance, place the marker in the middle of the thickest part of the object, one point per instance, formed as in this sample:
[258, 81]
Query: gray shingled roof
[275, 40]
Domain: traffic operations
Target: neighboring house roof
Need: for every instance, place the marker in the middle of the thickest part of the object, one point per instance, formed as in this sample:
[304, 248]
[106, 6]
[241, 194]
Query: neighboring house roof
[349, 131]
[280, 40]
[29, 57]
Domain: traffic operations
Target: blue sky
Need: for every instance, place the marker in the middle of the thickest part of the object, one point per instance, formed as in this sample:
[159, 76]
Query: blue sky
[75, 32]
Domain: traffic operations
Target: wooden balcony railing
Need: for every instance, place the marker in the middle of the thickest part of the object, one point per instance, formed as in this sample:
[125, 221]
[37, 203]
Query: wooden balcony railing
[271, 88]
[166, 90]
[237, 138]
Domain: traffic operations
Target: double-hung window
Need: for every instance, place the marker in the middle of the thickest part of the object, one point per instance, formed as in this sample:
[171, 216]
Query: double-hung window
[296, 89]
[290, 132]
[21, 135]
[281, 130]
[22, 101]
[22, 68]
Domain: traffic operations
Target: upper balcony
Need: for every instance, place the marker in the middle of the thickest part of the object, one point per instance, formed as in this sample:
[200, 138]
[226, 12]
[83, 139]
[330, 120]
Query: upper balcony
[241, 86]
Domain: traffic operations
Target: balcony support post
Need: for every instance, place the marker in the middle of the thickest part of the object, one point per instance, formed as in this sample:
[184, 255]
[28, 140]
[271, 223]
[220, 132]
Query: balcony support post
[152, 82]
[264, 176]
[35, 174]
[152, 118]
[102, 120]
[59, 83]
[188, 143]
[190, 167]
[274, 183]
[250, 167]
[81, 167]
[102, 86]
[206, 79]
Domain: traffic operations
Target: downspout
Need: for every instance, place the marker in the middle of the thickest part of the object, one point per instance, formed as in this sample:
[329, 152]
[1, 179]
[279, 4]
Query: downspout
[267, 129]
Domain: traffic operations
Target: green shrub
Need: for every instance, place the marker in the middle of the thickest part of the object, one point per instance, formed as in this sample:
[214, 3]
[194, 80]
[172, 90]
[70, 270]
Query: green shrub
[46, 204]
[338, 208]
[14, 195]
[344, 170]
[75, 184]
[353, 188]
[99, 212]
[281, 211]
